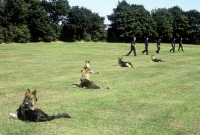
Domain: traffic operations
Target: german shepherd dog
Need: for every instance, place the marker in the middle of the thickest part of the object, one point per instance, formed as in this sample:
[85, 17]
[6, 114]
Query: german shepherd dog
[87, 64]
[85, 73]
[153, 58]
[123, 64]
[85, 82]
[26, 112]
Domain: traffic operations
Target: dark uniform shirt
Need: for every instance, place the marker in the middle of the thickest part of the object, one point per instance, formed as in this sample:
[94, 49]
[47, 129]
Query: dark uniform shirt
[173, 42]
[158, 43]
[133, 42]
[180, 42]
[146, 43]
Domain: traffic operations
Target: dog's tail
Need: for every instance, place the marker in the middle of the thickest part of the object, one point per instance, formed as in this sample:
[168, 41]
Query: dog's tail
[60, 115]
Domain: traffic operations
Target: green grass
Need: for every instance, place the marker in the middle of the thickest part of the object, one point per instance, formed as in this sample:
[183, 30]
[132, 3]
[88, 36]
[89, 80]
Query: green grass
[149, 99]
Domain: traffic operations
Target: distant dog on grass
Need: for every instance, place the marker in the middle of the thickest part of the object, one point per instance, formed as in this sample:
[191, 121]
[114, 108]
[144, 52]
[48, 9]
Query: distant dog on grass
[123, 64]
[26, 112]
[85, 82]
[87, 64]
[153, 58]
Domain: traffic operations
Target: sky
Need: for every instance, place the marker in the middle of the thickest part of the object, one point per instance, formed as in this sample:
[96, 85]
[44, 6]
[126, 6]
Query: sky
[105, 7]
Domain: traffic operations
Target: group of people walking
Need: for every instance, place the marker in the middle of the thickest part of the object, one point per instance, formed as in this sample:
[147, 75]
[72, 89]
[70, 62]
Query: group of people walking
[146, 44]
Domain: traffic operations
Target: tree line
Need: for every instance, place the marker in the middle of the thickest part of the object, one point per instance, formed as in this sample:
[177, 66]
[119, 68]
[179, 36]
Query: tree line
[24, 21]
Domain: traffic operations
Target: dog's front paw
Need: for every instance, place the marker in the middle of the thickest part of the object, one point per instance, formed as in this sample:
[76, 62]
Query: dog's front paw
[13, 115]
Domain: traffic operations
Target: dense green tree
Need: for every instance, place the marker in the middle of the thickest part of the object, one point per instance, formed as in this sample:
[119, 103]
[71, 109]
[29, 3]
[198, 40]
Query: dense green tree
[145, 26]
[57, 11]
[51, 20]
[13, 21]
[19, 34]
[122, 22]
[180, 23]
[97, 28]
[164, 28]
[2, 21]
[15, 12]
[194, 21]
[39, 23]
[82, 24]
[130, 20]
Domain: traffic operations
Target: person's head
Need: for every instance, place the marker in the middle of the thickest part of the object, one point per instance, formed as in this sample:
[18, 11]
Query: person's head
[181, 38]
[147, 38]
[174, 38]
[134, 38]
[159, 39]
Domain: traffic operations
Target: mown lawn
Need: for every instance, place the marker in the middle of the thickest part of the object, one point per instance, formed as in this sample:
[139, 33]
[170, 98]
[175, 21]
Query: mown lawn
[149, 99]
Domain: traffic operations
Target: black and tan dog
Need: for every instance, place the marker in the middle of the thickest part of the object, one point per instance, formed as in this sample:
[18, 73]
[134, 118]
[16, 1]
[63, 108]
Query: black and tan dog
[85, 82]
[153, 58]
[26, 112]
[123, 64]
[87, 64]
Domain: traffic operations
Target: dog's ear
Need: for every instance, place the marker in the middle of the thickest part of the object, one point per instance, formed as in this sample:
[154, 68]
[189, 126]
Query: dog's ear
[27, 92]
[34, 92]
[88, 61]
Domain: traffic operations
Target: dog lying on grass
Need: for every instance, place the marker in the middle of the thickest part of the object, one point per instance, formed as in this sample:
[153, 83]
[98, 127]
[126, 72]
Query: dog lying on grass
[85, 82]
[123, 64]
[153, 58]
[26, 112]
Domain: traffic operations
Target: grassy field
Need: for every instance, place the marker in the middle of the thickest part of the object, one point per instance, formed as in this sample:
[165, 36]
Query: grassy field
[149, 99]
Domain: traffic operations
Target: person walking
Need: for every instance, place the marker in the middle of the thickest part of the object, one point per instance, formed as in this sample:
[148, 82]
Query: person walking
[173, 45]
[133, 47]
[180, 45]
[158, 46]
[146, 44]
